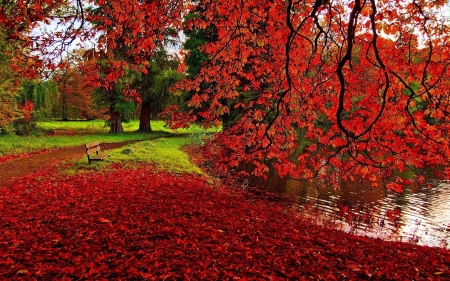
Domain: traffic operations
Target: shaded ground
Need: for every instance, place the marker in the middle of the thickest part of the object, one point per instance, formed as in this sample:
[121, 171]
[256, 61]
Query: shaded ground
[21, 166]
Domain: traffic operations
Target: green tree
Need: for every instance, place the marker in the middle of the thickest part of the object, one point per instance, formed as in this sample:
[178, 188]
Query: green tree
[154, 88]
[43, 94]
[195, 38]
[119, 107]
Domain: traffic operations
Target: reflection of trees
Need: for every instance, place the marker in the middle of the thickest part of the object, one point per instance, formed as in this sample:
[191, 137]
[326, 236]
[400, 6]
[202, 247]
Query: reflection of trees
[427, 216]
[367, 211]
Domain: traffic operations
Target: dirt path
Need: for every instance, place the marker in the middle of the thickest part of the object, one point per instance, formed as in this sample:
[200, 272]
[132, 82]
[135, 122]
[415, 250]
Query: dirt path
[12, 169]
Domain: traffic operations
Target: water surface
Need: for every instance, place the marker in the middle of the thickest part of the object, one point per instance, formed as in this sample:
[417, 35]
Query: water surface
[419, 215]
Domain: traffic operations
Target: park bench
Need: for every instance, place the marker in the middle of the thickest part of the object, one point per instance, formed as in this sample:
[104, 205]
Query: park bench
[92, 152]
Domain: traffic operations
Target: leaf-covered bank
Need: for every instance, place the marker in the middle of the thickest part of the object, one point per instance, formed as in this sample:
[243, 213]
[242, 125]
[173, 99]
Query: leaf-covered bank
[145, 225]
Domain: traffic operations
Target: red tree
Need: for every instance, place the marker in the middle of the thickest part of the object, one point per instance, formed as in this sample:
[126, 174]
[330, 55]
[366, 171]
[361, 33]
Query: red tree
[329, 90]
[130, 32]
[325, 89]
[75, 97]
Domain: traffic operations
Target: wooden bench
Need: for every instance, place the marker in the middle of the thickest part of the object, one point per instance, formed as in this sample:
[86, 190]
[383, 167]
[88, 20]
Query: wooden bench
[92, 152]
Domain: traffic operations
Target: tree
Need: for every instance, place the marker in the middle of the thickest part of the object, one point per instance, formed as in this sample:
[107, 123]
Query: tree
[37, 54]
[330, 75]
[196, 37]
[334, 75]
[43, 95]
[153, 87]
[119, 107]
[20, 56]
[75, 98]
[8, 89]
[132, 32]
[198, 33]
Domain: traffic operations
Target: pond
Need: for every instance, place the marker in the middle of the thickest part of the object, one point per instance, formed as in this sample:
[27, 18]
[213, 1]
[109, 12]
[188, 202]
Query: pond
[419, 215]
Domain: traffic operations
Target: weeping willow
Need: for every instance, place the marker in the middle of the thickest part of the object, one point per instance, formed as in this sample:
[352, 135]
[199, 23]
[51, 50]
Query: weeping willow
[43, 94]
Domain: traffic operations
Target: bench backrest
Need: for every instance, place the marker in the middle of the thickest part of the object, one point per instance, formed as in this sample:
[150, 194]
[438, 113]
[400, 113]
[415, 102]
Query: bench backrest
[92, 147]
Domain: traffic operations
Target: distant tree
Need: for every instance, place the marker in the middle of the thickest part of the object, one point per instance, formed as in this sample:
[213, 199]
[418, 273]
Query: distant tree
[74, 96]
[131, 34]
[43, 94]
[120, 107]
[153, 87]
[9, 110]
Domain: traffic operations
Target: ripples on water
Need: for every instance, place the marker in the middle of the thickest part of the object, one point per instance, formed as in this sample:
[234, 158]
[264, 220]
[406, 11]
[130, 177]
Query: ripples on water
[419, 215]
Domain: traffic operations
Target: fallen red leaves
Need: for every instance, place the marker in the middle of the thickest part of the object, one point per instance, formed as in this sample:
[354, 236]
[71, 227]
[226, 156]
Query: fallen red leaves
[9, 157]
[146, 225]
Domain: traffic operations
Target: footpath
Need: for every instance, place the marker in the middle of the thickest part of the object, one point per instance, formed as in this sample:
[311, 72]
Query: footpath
[24, 165]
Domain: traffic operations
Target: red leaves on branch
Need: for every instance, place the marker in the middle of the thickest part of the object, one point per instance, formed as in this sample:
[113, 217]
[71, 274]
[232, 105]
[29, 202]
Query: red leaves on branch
[328, 91]
[322, 91]
[135, 224]
[177, 119]
[27, 110]
[131, 31]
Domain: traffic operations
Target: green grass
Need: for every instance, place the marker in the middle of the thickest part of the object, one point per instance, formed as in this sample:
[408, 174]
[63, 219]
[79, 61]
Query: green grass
[11, 144]
[163, 146]
[95, 126]
[165, 152]
[75, 133]
[98, 126]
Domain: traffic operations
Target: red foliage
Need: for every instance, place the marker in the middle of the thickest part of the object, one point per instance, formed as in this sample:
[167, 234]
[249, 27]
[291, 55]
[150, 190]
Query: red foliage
[27, 110]
[351, 80]
[136, 224]
[320, 91]
[75, 98]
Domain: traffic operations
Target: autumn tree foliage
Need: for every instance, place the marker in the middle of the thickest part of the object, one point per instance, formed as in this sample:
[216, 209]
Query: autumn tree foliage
[9, 111]
[131, 33]
[340, 90]
[327, 89]
[37, 54]
[8, 107]
[74, 95]
[128, 32]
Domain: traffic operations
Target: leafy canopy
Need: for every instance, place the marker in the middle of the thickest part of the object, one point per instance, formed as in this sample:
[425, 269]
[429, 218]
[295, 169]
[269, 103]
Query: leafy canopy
[364, 83]
[324, 89]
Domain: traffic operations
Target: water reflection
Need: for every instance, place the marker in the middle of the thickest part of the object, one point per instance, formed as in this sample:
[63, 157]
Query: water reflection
[419, 215]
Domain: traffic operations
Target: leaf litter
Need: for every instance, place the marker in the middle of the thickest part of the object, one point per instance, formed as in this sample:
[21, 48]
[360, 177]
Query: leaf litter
[140, 224]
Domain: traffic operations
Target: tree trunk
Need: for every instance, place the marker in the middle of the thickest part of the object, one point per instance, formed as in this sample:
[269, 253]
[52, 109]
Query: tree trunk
[144, 118]
[64, 108]
[116, 123]
[64, 102]
[226, 121]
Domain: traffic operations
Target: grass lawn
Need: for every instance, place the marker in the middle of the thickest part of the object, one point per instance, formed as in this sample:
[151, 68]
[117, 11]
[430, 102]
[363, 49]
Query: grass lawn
[164, 151]
[75, 133]
[163, 146]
